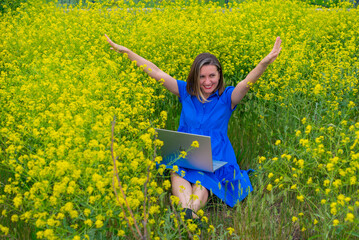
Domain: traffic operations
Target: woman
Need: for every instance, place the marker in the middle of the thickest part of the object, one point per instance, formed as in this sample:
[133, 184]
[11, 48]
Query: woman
[206, 109]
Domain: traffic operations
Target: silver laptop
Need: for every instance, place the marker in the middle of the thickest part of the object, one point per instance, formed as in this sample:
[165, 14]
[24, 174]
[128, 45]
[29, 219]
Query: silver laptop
[198, 158]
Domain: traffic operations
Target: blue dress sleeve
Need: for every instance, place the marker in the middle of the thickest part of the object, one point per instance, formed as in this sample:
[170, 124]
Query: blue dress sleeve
[182, 89]
[227, 97]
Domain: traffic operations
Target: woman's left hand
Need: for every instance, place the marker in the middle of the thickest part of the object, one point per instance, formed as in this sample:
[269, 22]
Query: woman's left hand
[274, 53]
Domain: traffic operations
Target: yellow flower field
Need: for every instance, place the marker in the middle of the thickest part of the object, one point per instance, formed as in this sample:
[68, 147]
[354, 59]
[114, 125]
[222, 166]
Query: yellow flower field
[62, 90]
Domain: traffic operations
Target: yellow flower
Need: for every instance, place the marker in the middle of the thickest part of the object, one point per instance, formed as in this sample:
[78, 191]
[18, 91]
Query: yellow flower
[278, 142]
[230, 230]
[174, 199]
[330, 167]
[300, 198]
[308, 129]
[158, 159]
[17, 201]
[154, 209]
[87, 212]
[351, 104]
[335, 222]
[349, 217]
[317, 89]
[74, 214]
[192, 227]
[300, 163]
[326, 182]
[210, 228]
[269, 187]
[183, 154]
[200, 213]
[261, 159]
[161, 169]
[310, 180]
[333, 209]
[195, 144]
[121, 233]
[14, 218]
[297, 133]
[99, 224]
[353, 180]
[337, 183]
[88, 222]
[5, 230]
[294, 219]
[167, 184]
[49, 233]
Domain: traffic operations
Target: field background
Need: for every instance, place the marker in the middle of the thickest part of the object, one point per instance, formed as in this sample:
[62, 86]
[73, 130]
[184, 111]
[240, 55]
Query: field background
[62, 90]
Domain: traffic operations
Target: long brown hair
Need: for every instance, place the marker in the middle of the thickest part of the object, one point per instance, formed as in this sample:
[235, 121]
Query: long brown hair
[193, 81]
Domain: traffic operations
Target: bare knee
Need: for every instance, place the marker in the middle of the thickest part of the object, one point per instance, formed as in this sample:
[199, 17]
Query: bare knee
[200, 197]
[182, 189]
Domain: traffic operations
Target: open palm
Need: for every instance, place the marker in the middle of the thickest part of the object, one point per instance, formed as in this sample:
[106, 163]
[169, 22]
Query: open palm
[116, 47]
[275, 51]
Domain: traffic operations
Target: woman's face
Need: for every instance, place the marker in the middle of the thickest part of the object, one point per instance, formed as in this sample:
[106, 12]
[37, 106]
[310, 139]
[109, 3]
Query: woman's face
[208, 79]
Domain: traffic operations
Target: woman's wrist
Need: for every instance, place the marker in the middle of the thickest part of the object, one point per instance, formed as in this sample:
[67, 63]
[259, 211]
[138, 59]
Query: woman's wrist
[264, 63]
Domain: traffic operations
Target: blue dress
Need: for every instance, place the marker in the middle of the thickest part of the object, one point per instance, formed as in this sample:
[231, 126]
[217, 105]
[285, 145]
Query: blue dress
[229, 183]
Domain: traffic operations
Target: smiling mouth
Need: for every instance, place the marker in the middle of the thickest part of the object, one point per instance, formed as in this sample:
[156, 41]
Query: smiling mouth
[207, 87]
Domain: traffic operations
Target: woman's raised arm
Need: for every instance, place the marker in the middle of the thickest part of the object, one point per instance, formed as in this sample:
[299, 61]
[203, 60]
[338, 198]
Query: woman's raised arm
[242, 87]
[151, 69]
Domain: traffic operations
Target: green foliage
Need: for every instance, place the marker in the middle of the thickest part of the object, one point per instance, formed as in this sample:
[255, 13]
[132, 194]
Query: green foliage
[332, 3]
[10, 5]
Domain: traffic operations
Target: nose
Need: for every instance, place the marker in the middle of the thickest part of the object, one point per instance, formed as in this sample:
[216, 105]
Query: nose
[206, 80]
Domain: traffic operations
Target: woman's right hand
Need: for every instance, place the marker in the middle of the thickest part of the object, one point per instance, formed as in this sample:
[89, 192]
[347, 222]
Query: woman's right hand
[116, 47]
[151, 69]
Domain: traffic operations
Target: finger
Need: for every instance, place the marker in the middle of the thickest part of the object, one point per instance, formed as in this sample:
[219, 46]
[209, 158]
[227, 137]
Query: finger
[277, 43]
[108, 39]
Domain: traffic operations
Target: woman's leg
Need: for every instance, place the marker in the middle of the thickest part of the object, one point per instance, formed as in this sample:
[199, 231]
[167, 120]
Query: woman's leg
[190, 195]
[182, 189]
[202, 197]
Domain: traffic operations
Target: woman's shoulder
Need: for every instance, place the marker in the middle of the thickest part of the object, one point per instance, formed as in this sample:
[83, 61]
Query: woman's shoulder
[227, 91]
[182, 89]
[181, 83]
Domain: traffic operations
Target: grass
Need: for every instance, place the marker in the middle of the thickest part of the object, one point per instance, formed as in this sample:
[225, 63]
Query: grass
[21, 230]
